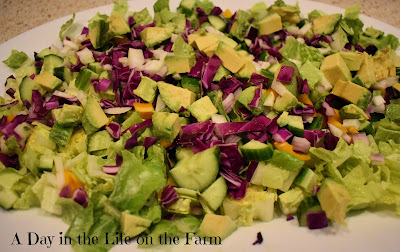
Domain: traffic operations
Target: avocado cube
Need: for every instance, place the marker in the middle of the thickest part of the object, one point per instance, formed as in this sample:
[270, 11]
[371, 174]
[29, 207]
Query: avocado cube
[147, 89]
[166, 125]
[68, 115]
[210, 50]
[133, 225]
[353, 93]
[179, 64]
[118, 26]
[175, 97]
[335, 68]
[334, 199]
[47, 80]
[247, 69]
[290, 200]
[202, 109]
[270, 24]
[231, 59]
[204, 41]
[325, 24]
[366, 73]
[152, 36]
[219, 226]
[93, 117]
[352, 59]
[99, 141]
[286, 102]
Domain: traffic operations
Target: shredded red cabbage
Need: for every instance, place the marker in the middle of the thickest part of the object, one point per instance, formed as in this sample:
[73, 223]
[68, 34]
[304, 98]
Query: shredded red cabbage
[149, 141]
[251, 169]
[285, 74]
[216, 11]
[229, 85]
[65, 192]
[114, 129]
[256, 99]
[309, 110]
[131, 142]
[259, 80]
[211, 69]
[168, 196]
[259, 239]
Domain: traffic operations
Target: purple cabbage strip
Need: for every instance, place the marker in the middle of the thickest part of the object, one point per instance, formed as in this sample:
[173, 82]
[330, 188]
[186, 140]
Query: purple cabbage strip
[11, 92]
[229, 85]
[330, 141]
[282, 135]
[133, 129]
[285, 74]
[255, 102]
[252, 34]
[309, 110]
[114, 129]
[197, 68]
[8, 105]
[317, 220]
[131, 142]
[9, 161]
[168, 196]
[211, 69]
[259, 80]
[251, 169]
[149, 141]
[216, 11]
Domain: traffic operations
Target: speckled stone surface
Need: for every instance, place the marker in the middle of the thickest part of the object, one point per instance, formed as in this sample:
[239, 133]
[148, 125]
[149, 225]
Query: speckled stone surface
[18, 16]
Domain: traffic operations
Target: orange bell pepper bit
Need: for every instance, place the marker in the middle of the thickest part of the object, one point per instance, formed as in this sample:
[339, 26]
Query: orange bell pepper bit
[145, 110]
[383, 91]
[303, 98]
[336, 123]
[171, 181]
[352, 130]
[285, 146]
[73, 182]
[227, 13]
[10, 118]
[165, 143]
[337, 116]
[270, 90]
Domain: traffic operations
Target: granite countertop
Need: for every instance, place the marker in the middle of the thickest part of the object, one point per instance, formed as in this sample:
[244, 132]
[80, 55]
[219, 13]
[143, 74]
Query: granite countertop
[18, 16]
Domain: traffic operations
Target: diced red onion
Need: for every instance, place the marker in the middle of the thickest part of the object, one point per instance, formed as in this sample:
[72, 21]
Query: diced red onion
[114, 129]
[317, 220]
[168, 196]
[228, 103]
[81, 197]
[327, 109]
[289, 217]
[315, 189]
[111, 169]
[301, 144]
[362, 136]
[65, 192]
[282, 135]
[377, 159]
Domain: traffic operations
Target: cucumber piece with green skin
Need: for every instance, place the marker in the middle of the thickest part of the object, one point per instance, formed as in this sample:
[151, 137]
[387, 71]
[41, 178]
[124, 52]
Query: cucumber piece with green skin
[316, 124]
[43, 53]
[308, 205]
[60, 134]
[191, 83]
[83, 79]
[26, 87]
[63, 73]
[198, 171]
[215, 194]
[296, 126]
[52, 61]
[255, 150]
[306, 179]
[217, 22]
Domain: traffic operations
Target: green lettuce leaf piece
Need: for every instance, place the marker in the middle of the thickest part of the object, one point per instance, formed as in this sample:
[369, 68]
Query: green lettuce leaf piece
[241, 25]
[387, 130]
[293, 49]
[205, 5]
[65, 27]
[353, 11]
[27, 200]
[389, 39]
[311, 73]
[16, 59]
[181, 48]
[160, 5]
[70, 209]
[316, 13]
[142, 17]
[120, 7]
[136, 181]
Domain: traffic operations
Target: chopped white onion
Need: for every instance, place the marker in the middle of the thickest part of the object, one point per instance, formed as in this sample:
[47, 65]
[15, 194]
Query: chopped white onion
[378, 100]
[135, 58]
[279, 87]
[117, 110]
[216, 118]
[361, 137]
[301, 144]
[386, 82]
[228, 103]
[160, 105]
[351, 123]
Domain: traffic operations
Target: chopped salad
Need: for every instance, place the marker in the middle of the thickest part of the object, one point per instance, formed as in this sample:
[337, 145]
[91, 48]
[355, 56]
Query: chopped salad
[203, 120]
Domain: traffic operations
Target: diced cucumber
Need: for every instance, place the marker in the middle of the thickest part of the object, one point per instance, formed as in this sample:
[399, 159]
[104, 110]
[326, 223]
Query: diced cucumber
[191, 83]
[309, 204]
[60, 134]
[217, 22]
[26, 87]
[316, 123]
[255, 150]
[46, 163]
[215, 194]
[296, 126]
[52, 61]
[83, 79]
[198, 171]
[96, 67]
[306, 179]
[104, 74]
[44, 53]
[63, 73]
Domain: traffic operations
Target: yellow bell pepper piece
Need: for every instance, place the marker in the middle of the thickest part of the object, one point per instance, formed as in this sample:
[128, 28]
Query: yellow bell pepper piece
[352, 130]
[336, 123]
[227, 13]
[73, 182]
[145, 110]
[165, 143]
[303, 98]
[285, 146]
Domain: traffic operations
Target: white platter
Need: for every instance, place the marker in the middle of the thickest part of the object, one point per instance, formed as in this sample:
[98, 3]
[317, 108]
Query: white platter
[369, 231]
